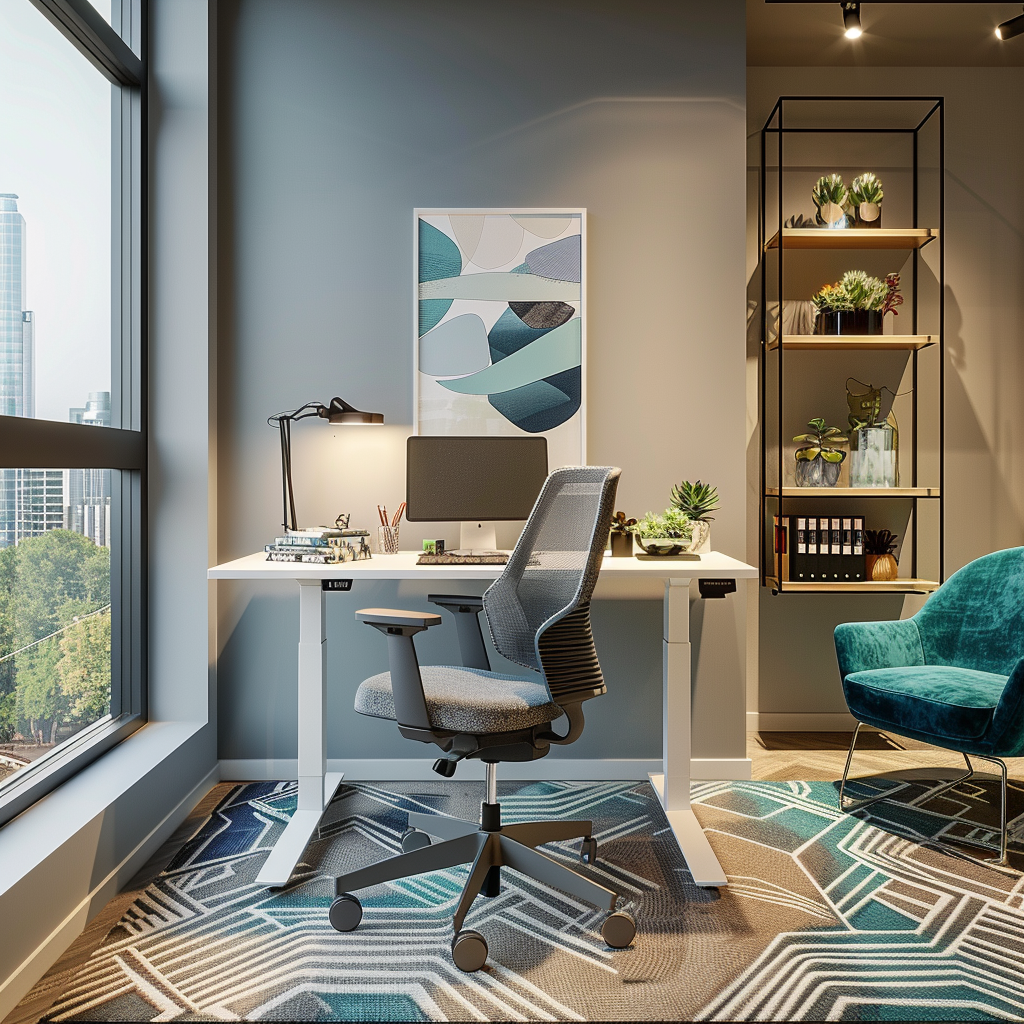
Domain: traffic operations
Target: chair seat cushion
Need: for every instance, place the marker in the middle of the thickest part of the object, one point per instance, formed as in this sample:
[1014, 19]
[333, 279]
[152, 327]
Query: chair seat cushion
[466, 700]
[939, 701]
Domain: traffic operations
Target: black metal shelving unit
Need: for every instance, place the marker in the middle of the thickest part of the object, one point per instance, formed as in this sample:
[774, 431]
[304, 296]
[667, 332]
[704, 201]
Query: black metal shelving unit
[901, 138]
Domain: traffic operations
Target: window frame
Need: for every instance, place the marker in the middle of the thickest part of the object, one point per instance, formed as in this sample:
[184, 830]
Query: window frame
[119, 53]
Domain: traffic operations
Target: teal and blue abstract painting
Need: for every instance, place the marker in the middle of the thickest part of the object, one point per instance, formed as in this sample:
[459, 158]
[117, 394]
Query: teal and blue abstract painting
[500, 325]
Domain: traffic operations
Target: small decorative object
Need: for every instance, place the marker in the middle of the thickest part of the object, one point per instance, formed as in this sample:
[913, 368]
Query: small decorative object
[697, 500]
[830, 196]
[856, 304]
[668, 533]
[818, 459]
[879, 560]
[342, 520]
[621, 536]
[874, 450]
[387, 539]
[866, 194]
[434, 547]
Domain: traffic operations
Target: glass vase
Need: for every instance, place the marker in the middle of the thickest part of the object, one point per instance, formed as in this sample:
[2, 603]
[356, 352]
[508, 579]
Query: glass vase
[873, 459]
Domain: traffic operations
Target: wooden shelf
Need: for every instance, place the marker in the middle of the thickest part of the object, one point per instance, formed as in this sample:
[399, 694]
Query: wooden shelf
[853, 238]
[854, 492]
[899, 586]
[857, 342]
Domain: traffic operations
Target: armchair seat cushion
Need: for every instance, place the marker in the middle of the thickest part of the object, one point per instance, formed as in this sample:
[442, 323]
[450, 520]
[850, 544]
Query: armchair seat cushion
[940, 702]
[466, 700]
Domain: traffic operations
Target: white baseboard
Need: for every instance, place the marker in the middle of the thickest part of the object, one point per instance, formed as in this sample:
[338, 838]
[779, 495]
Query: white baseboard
[418, 769]
[771, 721]
[21, 980]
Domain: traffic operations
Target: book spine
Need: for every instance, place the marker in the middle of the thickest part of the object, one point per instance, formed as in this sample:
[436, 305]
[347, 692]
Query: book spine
[835, 568]
[798, 555]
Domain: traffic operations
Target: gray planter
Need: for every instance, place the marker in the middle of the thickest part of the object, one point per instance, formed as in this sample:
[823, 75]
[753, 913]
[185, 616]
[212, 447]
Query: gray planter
[817, 472]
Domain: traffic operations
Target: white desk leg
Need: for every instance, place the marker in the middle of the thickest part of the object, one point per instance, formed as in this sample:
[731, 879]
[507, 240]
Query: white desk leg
[316, 787]
[673, 787]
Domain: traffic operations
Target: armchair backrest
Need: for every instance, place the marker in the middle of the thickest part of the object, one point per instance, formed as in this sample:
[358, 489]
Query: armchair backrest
[976, 618]
[538, 611]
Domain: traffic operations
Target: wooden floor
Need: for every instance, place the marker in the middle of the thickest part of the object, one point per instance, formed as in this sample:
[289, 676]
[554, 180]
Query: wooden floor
[776, 756]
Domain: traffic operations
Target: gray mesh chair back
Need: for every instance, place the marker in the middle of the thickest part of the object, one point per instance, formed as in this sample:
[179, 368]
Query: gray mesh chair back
[538, 611]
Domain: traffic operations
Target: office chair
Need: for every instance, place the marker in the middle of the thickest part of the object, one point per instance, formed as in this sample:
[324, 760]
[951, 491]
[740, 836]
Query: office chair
[538, 613]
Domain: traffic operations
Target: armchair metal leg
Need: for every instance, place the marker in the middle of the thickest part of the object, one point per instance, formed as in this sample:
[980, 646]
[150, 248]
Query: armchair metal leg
[442, 825]
[537, 833]
[1003, 825]
[550, 872]
[430, 858]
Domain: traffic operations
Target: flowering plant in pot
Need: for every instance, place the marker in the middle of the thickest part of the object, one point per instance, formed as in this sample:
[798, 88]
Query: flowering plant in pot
[819, 458]
[697, 500]
[856, 304]
[620, 536]
[879, 558]
[830, 198]
[665, 533]
[866, 195]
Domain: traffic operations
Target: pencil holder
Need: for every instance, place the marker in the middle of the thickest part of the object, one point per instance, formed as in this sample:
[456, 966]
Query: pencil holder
[387, 540]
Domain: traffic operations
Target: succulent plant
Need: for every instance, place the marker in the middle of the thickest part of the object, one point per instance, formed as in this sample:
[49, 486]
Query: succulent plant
[830, 189]
[821, 442]
[671, 523]
[620, 524]
[858, 290]
[696, 500]
[879, 542]
[866, 188]
[893, 298]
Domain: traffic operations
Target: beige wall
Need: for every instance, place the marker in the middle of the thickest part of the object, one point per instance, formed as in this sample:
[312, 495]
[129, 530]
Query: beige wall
[984, 483]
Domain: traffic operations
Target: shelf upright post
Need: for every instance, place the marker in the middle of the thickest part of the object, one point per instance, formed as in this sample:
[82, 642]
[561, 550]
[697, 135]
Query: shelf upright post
[762, 257]
[916, 255]
[780, 329]
[942, 341]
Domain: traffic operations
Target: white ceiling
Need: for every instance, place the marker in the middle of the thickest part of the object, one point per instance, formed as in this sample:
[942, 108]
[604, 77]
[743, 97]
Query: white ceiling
[913, 34]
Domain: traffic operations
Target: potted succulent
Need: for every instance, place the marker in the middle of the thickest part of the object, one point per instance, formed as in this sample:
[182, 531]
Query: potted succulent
[819, 457]
[620, 536]
[697, 500]
[830, 197]
[879, 559]
[866, 195]
[666, 533]
[856, 304]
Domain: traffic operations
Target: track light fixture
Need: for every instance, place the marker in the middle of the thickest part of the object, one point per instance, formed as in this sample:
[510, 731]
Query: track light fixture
[1011, 28]
[851, 20]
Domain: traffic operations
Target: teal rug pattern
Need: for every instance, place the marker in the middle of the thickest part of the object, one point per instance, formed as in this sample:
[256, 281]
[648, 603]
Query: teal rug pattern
[826, 917]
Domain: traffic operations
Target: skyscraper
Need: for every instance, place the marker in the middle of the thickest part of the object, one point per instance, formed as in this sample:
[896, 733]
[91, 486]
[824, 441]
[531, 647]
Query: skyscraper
[31, 500]
[87, 491]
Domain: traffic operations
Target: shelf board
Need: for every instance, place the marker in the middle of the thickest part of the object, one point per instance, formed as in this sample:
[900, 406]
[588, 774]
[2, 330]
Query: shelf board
[865, 342]
[898, 586]
[854, 492]
[853, 238]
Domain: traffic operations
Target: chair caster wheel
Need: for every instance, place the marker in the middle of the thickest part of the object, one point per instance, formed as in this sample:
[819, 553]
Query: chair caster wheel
[588, 851]
[619, 929]
[346, 912]
[469, 950]
[414, 839]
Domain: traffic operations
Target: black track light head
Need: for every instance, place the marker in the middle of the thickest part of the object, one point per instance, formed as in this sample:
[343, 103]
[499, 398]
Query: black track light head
[851, 20]
[1011, 28]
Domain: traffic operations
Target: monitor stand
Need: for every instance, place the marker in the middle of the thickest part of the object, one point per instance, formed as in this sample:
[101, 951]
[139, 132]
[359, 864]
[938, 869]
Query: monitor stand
[475, 538]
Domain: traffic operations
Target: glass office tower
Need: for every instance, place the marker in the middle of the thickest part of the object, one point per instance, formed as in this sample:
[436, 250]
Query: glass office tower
[87, 491]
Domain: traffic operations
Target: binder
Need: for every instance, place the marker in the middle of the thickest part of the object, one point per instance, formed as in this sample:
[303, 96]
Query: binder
[857, 561]
[780, 548]
[834, 569]
[813, 569]
[798, 554]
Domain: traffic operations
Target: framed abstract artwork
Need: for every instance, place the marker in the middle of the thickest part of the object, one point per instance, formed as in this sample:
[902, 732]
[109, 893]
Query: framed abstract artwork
[500, 325]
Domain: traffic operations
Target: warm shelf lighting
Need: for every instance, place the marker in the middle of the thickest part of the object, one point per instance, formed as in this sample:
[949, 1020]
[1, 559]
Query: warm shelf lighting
[1011, 28]
[851, 21]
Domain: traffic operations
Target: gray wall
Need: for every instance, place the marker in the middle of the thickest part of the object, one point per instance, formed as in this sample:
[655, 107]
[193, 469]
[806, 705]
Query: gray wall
[984, 484]
[339, 120]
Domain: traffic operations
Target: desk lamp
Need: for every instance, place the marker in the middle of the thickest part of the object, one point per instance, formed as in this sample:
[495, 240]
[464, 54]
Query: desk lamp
[339, 411]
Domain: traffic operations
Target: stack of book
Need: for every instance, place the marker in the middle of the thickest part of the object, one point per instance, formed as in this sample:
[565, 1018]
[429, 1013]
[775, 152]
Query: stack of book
[821, 549]
[321, 545]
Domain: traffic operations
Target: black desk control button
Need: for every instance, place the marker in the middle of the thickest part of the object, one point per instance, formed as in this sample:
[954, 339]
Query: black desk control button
[335, 584]
[716, 588]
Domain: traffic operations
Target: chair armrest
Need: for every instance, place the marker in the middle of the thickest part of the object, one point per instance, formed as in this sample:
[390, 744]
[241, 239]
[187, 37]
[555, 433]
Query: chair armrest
[866, 645]
[471, 638]
[397, 617]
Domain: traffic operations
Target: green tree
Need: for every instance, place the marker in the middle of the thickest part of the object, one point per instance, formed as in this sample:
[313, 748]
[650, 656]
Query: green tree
[8, 579]
[84, 668]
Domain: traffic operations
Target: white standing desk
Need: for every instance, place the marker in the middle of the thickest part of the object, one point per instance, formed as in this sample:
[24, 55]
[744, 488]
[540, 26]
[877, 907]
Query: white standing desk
[317, 785]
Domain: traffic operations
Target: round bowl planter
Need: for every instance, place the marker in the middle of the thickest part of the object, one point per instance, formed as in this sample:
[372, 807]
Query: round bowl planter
[666, 546]
[854, 321]
[880, 568]
[869, 215]
[817, 472]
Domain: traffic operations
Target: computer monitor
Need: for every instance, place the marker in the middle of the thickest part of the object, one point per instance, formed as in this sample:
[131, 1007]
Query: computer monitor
[474, 481]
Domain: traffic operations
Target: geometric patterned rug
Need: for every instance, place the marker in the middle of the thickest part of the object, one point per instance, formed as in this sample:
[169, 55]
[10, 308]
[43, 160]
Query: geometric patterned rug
[826, 917]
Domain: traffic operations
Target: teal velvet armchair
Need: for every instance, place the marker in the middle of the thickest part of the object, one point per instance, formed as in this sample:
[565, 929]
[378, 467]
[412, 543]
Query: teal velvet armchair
[952, 675]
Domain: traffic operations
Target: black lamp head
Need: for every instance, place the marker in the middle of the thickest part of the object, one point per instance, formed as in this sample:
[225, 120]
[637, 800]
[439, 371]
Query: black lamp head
[851, 20]
[1011, 28]
[339, 411]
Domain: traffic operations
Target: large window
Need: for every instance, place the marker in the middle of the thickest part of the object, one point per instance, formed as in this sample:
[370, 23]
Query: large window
[72, 387]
